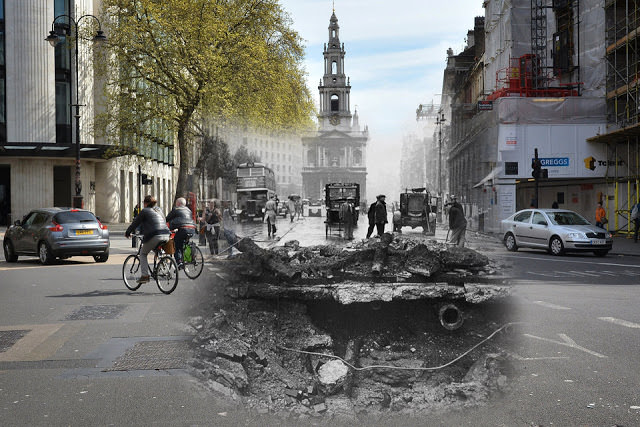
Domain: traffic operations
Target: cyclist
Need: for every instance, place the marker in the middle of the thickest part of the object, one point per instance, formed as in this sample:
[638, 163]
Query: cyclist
[181, 218]
[154, 232]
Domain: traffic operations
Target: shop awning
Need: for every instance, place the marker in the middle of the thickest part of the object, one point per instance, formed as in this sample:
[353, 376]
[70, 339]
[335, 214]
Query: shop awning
[490, 177]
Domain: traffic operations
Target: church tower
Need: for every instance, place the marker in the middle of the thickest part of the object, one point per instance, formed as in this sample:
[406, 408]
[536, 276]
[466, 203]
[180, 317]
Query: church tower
[336, 152]
[334, 87]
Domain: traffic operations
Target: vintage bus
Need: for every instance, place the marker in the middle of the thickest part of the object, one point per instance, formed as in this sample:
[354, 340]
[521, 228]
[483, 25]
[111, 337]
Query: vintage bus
[255, 184]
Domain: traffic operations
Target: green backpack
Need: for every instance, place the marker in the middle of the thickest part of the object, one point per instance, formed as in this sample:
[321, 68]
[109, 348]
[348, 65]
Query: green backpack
[187, 253]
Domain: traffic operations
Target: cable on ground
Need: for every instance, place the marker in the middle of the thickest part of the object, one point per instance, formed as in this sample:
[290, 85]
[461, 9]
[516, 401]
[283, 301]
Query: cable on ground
[434, 368]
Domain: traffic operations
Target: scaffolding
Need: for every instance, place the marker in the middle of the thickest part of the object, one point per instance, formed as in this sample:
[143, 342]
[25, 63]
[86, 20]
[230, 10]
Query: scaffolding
[622, 25]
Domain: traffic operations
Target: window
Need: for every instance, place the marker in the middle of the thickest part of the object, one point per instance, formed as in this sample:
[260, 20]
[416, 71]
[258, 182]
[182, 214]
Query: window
[357, 157]
[335, 103]
[63, 74]
[539, 219]
[522, 216]
[334, 67]
[3, 119]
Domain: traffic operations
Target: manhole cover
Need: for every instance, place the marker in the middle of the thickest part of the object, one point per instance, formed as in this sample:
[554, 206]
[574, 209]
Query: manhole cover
[9, 338]
[97, 312]
[152, 355]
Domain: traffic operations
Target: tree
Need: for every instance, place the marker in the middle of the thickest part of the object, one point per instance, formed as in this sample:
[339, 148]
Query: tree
[175, 62]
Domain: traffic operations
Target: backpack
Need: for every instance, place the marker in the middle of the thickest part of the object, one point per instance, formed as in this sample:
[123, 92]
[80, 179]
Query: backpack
[634, 211]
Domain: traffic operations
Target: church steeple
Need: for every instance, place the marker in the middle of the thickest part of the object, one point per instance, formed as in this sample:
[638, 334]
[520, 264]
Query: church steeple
[335, 87]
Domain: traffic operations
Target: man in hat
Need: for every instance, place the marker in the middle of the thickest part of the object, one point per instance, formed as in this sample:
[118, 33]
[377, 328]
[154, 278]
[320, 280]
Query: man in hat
[270, 210]
[457, 222]
[346, 217]
[377, 216]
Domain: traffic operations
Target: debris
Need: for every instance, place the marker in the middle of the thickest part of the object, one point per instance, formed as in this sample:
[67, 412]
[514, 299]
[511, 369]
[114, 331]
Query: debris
[591, 405]
[332, 376]
[320, 407]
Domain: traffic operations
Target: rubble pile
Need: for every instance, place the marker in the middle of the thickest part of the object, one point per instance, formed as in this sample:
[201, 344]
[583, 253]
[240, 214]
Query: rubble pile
[316, 332]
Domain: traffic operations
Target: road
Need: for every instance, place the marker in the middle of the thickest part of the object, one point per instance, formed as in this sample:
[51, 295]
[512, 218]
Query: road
[66, 329]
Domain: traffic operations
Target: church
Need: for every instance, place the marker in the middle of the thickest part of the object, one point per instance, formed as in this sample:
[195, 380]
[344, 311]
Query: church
[337, 151]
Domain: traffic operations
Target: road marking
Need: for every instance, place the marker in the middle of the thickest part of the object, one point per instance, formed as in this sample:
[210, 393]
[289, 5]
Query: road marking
[620, 322]
[584, 273]
[565, 261]
[568, 342]
[550, 305]
[518, 357]
[31, 346]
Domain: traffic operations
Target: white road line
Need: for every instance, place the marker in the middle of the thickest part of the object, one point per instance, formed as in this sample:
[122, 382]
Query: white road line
[550, 305]
[565, 261]
[568, 342]
[620, 322]
[518, 357]
[584, 273]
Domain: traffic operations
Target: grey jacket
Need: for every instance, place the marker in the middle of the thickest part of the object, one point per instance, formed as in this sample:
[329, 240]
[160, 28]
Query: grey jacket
[180, 217]
[152, 224]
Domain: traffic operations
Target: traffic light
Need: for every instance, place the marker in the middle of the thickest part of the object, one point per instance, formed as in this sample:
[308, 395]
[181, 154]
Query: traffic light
[536, 166]
[145, 180]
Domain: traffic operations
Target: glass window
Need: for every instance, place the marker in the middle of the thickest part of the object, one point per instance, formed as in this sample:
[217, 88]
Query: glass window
[522, 216]
[539, 219]
[62, 103]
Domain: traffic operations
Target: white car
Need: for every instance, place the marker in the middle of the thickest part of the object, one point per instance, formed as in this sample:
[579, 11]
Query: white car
[555, 230]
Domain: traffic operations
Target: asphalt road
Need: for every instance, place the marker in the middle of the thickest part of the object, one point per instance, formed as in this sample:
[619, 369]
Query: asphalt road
[66, 329]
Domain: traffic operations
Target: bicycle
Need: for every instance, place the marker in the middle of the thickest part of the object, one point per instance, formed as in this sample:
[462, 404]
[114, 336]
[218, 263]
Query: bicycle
[192, 259]
[164, 271]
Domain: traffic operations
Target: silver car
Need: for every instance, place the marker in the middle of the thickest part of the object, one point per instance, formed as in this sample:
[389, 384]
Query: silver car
[555, 230]
[57, 233]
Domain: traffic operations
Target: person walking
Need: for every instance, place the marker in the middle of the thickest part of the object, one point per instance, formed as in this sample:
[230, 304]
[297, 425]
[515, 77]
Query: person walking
[635, 217]
[154, 230]
[299, 208]
[270, 210]
[291, 208]
[212, 217]
[377, 215]
[457, 222]
[180, 218]
[346, 217]
[228, 227]
[601, 216]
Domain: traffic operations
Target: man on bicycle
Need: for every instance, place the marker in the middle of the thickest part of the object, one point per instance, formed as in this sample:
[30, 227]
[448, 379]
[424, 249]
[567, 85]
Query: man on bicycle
[182, 219]
[154, 232]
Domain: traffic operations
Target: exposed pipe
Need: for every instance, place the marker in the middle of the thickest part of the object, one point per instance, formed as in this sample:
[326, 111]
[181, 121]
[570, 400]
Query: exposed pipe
[451, 316]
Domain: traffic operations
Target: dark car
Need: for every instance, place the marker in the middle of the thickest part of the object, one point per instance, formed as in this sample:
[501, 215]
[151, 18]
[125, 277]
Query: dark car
[52, 233]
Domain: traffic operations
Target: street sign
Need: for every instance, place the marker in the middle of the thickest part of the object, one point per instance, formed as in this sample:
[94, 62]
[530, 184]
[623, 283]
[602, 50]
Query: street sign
[485, 105]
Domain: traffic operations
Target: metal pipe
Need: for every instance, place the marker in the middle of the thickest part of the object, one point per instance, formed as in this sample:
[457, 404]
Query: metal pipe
[451, 316]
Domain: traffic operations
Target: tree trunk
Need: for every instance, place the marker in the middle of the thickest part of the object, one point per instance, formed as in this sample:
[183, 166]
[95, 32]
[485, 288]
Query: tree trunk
[183, 164]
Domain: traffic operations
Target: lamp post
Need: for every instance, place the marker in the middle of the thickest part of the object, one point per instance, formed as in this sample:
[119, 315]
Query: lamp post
[439, 122]
[54, 39]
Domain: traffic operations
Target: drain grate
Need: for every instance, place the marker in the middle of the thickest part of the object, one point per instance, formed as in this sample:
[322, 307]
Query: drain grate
[9, 338]
[96, 312]
[153, 355]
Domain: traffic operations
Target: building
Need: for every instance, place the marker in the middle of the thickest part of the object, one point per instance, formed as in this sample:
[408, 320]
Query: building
[38, 131]
[536, 82]
[337, 151]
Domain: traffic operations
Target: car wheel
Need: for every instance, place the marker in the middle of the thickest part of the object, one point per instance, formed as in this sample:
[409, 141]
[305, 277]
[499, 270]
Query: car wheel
[601, 252]
[102, 258]
[44, 253]
[555, 246]
[510, 242]
[9, 253]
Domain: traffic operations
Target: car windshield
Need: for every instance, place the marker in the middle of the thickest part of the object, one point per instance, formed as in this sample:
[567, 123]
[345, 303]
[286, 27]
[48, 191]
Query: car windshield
[70, 217]
[567, 218]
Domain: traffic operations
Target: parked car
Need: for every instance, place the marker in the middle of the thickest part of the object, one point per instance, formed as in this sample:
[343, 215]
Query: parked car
[52, 233]
[555, 230]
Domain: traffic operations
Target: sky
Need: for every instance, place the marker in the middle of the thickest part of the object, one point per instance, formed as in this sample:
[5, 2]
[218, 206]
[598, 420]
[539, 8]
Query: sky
[395, 57]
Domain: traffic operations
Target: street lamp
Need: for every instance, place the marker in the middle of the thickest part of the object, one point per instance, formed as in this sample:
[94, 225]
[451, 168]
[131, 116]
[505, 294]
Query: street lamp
[54, 39]
[439, 122]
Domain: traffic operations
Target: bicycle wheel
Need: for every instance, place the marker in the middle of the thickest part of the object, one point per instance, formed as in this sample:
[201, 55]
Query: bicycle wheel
[131, 272]
[166, 274]
[193, 268]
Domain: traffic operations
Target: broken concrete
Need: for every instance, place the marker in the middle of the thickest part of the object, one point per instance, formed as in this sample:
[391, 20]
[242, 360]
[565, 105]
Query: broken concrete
[376, 304]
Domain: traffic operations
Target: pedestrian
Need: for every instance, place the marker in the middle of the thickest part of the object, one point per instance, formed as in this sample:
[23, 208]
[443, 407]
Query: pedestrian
[270, 210]
[601, 216]
[457, 222]
[635, 217]
[212, 217]
[346, 217]
[291, 208]
[554, 205]
[202, 226]
[228, 227]
[136, 211]
[155, 232]
[377, 215]
[181, 218]
[299, 208]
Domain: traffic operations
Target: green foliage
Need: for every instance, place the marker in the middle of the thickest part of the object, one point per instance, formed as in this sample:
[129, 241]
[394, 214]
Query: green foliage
[171, 62]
